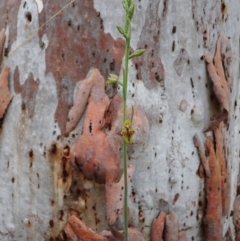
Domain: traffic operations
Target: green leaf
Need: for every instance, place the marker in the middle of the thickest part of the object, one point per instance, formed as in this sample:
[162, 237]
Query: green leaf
[121, 31]
[136, 53]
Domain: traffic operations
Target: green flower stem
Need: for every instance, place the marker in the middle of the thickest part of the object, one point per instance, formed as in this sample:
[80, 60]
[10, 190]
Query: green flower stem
[127, 27]
[127, 129]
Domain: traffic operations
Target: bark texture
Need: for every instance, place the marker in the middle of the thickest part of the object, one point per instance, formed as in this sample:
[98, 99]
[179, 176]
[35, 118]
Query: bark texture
[176, 88]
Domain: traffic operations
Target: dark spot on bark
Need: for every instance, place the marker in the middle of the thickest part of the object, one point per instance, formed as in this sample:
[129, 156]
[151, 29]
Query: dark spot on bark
[112, 65]
[60, 215]
[173, 46]
[164, 7]
[157, 77]
[223, 8]
[30, 153]
[23, 106]
[5, 52]
[191, 80]
[28, 17]
[51, 223]
[174, 29]
[53, 149]
[42, 45]
[90, 127]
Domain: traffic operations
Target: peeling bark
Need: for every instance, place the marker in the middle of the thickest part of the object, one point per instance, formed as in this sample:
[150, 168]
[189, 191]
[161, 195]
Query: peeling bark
[77, 229]
[220, 85]
[213, 190]
[201, 150]
[42, 188]
[82, 232]
[220, 155]
[171, 231]
[158, 227]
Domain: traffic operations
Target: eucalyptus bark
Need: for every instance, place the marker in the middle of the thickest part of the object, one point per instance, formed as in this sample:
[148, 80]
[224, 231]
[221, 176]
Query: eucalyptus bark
[40, 187]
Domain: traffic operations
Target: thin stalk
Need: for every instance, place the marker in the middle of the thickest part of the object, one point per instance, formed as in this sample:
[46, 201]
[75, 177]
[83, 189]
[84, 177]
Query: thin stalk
[127, 129]
[124, 89]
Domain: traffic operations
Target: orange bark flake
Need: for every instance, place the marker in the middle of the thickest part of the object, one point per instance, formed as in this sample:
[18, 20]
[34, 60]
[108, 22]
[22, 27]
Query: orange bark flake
[219, 139]
[92, 152]
[81, 231]
[77, 230]
[158, 227]
[213, 189]
[220, 85]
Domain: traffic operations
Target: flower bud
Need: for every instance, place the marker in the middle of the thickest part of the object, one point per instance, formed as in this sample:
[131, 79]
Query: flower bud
[113, 79]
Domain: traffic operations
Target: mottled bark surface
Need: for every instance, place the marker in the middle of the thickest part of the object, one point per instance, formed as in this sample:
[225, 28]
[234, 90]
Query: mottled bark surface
[170, 84]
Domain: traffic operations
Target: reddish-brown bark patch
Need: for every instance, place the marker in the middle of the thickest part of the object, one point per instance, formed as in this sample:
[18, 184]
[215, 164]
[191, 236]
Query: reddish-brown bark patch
[77, 229]
[149, 66]
[158, 227]
[213, 191]
[28, 92]
[77, 43]
[220, 84]
[220, 155]
[92, 151]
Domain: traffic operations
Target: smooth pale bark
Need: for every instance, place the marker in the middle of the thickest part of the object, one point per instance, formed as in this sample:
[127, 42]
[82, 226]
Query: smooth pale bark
[40, 189]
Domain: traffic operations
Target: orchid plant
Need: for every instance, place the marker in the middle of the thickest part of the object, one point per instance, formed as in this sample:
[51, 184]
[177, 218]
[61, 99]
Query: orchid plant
[127, 128]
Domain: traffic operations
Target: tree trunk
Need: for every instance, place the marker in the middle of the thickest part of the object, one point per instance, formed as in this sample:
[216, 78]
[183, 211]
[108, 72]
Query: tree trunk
[171, 83]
